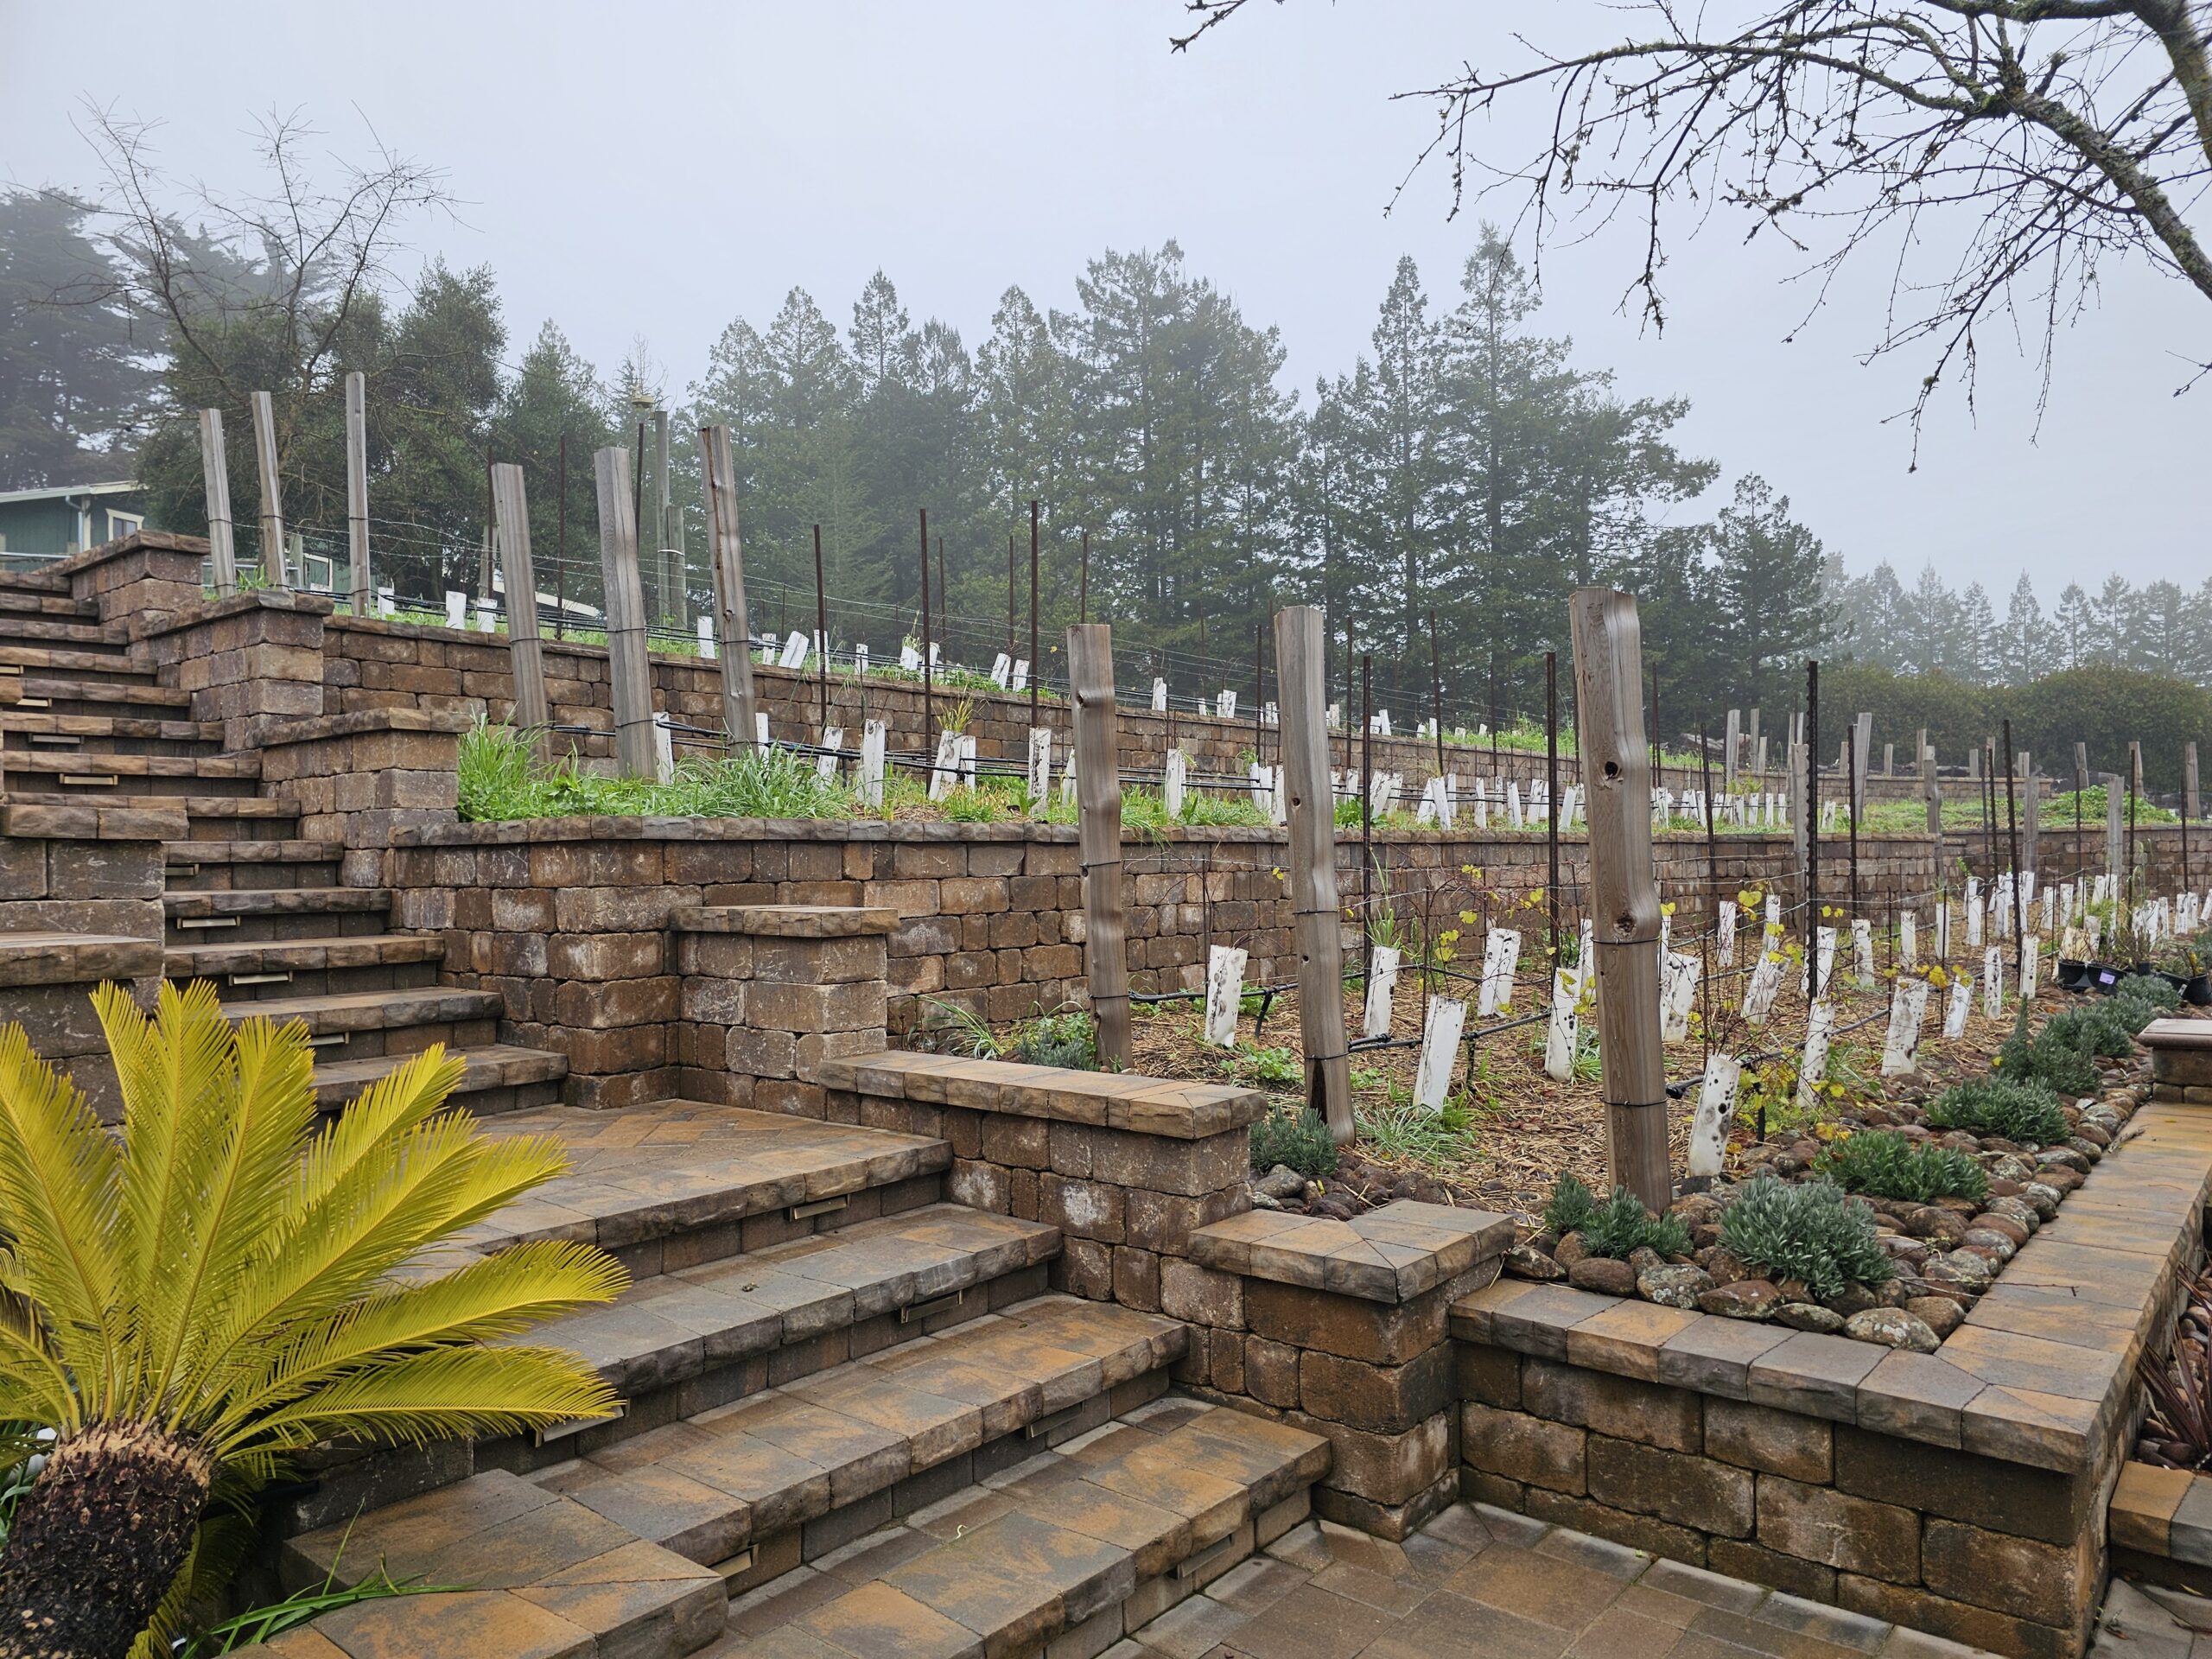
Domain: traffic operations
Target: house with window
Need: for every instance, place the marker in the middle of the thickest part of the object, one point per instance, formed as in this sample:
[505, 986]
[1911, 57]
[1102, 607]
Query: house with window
[38, 526]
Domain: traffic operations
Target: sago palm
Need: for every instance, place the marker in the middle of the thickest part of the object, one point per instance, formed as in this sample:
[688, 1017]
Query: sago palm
[224, 1284]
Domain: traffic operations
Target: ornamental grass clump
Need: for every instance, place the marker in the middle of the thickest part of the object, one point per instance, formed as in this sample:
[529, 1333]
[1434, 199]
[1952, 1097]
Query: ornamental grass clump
[189, 1304]
[1617, 1226]
[2025, 1111]
[1807, 1231]
[1887, 1166]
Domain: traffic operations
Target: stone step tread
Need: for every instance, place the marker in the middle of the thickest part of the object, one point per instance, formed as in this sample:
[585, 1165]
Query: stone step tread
[21, 763]
[671, 1326]
[641, 1171]
[19, 628]
[285, 851]
[707, 1485]
[55, 602]
[492, 1066]
[39, 582]
[1057, 1544]
[299, 956]
[61, 658]
[46, 722]
[377, 1010]
[270, 901]
[545, 1576]
[149, 695]
[197, 806]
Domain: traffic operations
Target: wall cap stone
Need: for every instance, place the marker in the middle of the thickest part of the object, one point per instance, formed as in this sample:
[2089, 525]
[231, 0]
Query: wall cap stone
[2194, 1035]
[238, 604]
[75, 959]
[1390, 1255]
[2029, 1377]
[1123, 1100]
[785, 921]
[123, 547]
[314, 728]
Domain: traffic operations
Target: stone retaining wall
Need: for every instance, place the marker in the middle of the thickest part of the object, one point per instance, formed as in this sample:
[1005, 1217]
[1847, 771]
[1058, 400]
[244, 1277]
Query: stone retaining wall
[568, 918]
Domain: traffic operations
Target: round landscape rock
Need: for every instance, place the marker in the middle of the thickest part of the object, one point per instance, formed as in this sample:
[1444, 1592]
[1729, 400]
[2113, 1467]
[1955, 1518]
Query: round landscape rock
[1746, 1299]
[1603, 1274]
[1893, 1327]
[1673, 1287]
[1525, 1261]
[1808, 1316]
[1939, 1313]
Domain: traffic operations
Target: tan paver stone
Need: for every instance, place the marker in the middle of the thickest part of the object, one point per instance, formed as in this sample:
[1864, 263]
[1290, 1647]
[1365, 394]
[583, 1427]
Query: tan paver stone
[877, 1622]
[1626, 1338]
[1918, 1397]
[1311, 1624]
[464, 1625]
[1715, 1355]
[1543, 1587]
[1814, 1374]
[2144, 1503]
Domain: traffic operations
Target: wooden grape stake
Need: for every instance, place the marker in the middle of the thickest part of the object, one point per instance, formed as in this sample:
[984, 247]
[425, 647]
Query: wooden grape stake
[724, 558]
[1098, 819]
[1624, 896]
[630, 670]
[525, 651]
[1300, 667]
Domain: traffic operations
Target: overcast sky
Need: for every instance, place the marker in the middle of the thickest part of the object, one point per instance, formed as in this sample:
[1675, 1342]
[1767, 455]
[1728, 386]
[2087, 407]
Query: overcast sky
[657, 170]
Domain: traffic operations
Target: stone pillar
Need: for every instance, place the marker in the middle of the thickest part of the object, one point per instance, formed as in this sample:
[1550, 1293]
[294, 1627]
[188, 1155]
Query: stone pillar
[1346, 1332]
[770, 993]
[2181, 1059]
[252, 661]
[358, 778]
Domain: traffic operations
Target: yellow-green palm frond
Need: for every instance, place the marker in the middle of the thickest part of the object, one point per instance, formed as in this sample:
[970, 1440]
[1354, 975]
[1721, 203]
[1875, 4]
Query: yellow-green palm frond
[504, 1169]
[408, 1095]
[34, 1387]
[476, 1391]
[385, 1210]
[58, 1178]
[495, 1297]
[178, 1078]
[242, 1175]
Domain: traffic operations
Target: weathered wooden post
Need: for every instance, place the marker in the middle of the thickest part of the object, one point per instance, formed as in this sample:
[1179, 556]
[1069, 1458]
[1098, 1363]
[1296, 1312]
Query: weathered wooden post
[215, 471]
[1623, 894]
[628, 669]
[1098, 828]
[726, 555]
[1301, 666]
[1862, 743]
[357, 493]
[1728, 751]
[2031, 811]
[526, 652]
[2188, 806]
[272, 493]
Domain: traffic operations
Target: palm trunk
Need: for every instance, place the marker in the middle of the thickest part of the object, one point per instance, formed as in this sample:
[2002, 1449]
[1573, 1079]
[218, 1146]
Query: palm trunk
[96, 1542]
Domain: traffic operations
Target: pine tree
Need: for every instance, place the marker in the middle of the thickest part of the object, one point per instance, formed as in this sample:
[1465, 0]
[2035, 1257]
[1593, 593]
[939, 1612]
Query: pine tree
[1768, 588]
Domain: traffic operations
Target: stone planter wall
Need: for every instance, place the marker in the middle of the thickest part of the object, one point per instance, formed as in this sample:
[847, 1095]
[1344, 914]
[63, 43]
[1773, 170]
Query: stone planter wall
[1961, 1492]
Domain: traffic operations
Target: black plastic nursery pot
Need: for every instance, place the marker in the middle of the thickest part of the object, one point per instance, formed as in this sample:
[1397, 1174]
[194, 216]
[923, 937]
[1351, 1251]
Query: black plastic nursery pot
[2072, 975]
[2197, 991]
[2105, 976]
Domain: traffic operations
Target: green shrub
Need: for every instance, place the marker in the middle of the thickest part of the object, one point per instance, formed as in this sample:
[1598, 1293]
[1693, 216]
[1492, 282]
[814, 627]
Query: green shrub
[1295, 1136]
[1069, 1039]
[1622, 1226]
[1571, 1207]
[1616, 1226]
[2025, 1111]
[2154, 993]
[2055, 1063]
[1273, 1067]
[2097, 1029]
[1809, 1230]
[1890, 1166]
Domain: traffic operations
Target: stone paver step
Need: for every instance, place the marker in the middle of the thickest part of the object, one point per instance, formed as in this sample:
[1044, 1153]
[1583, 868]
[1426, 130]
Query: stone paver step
[18, 628]
[222, 959]
[95, 734]
[198, 766]
[712, 1485]
[85, 697]
[502, 1070]
[351, 1012]
[923, 1267]
[239, 863]
[1081, 1543]
[644, 1172]
[39, 583]
[545, 1577]
[49, 661]
[246, 913]
[54, 602]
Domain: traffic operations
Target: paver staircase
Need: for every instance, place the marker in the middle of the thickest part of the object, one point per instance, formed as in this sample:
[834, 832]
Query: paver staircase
[249, 904]
[851, 1406]
[856, 1419]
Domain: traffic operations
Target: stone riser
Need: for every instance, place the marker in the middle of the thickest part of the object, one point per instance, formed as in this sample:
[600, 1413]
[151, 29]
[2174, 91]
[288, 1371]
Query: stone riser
[270, 928]
[322, 982]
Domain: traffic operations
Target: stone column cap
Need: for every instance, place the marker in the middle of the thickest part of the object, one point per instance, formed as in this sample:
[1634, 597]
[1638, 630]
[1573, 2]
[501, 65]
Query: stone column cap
[1390, 1255]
